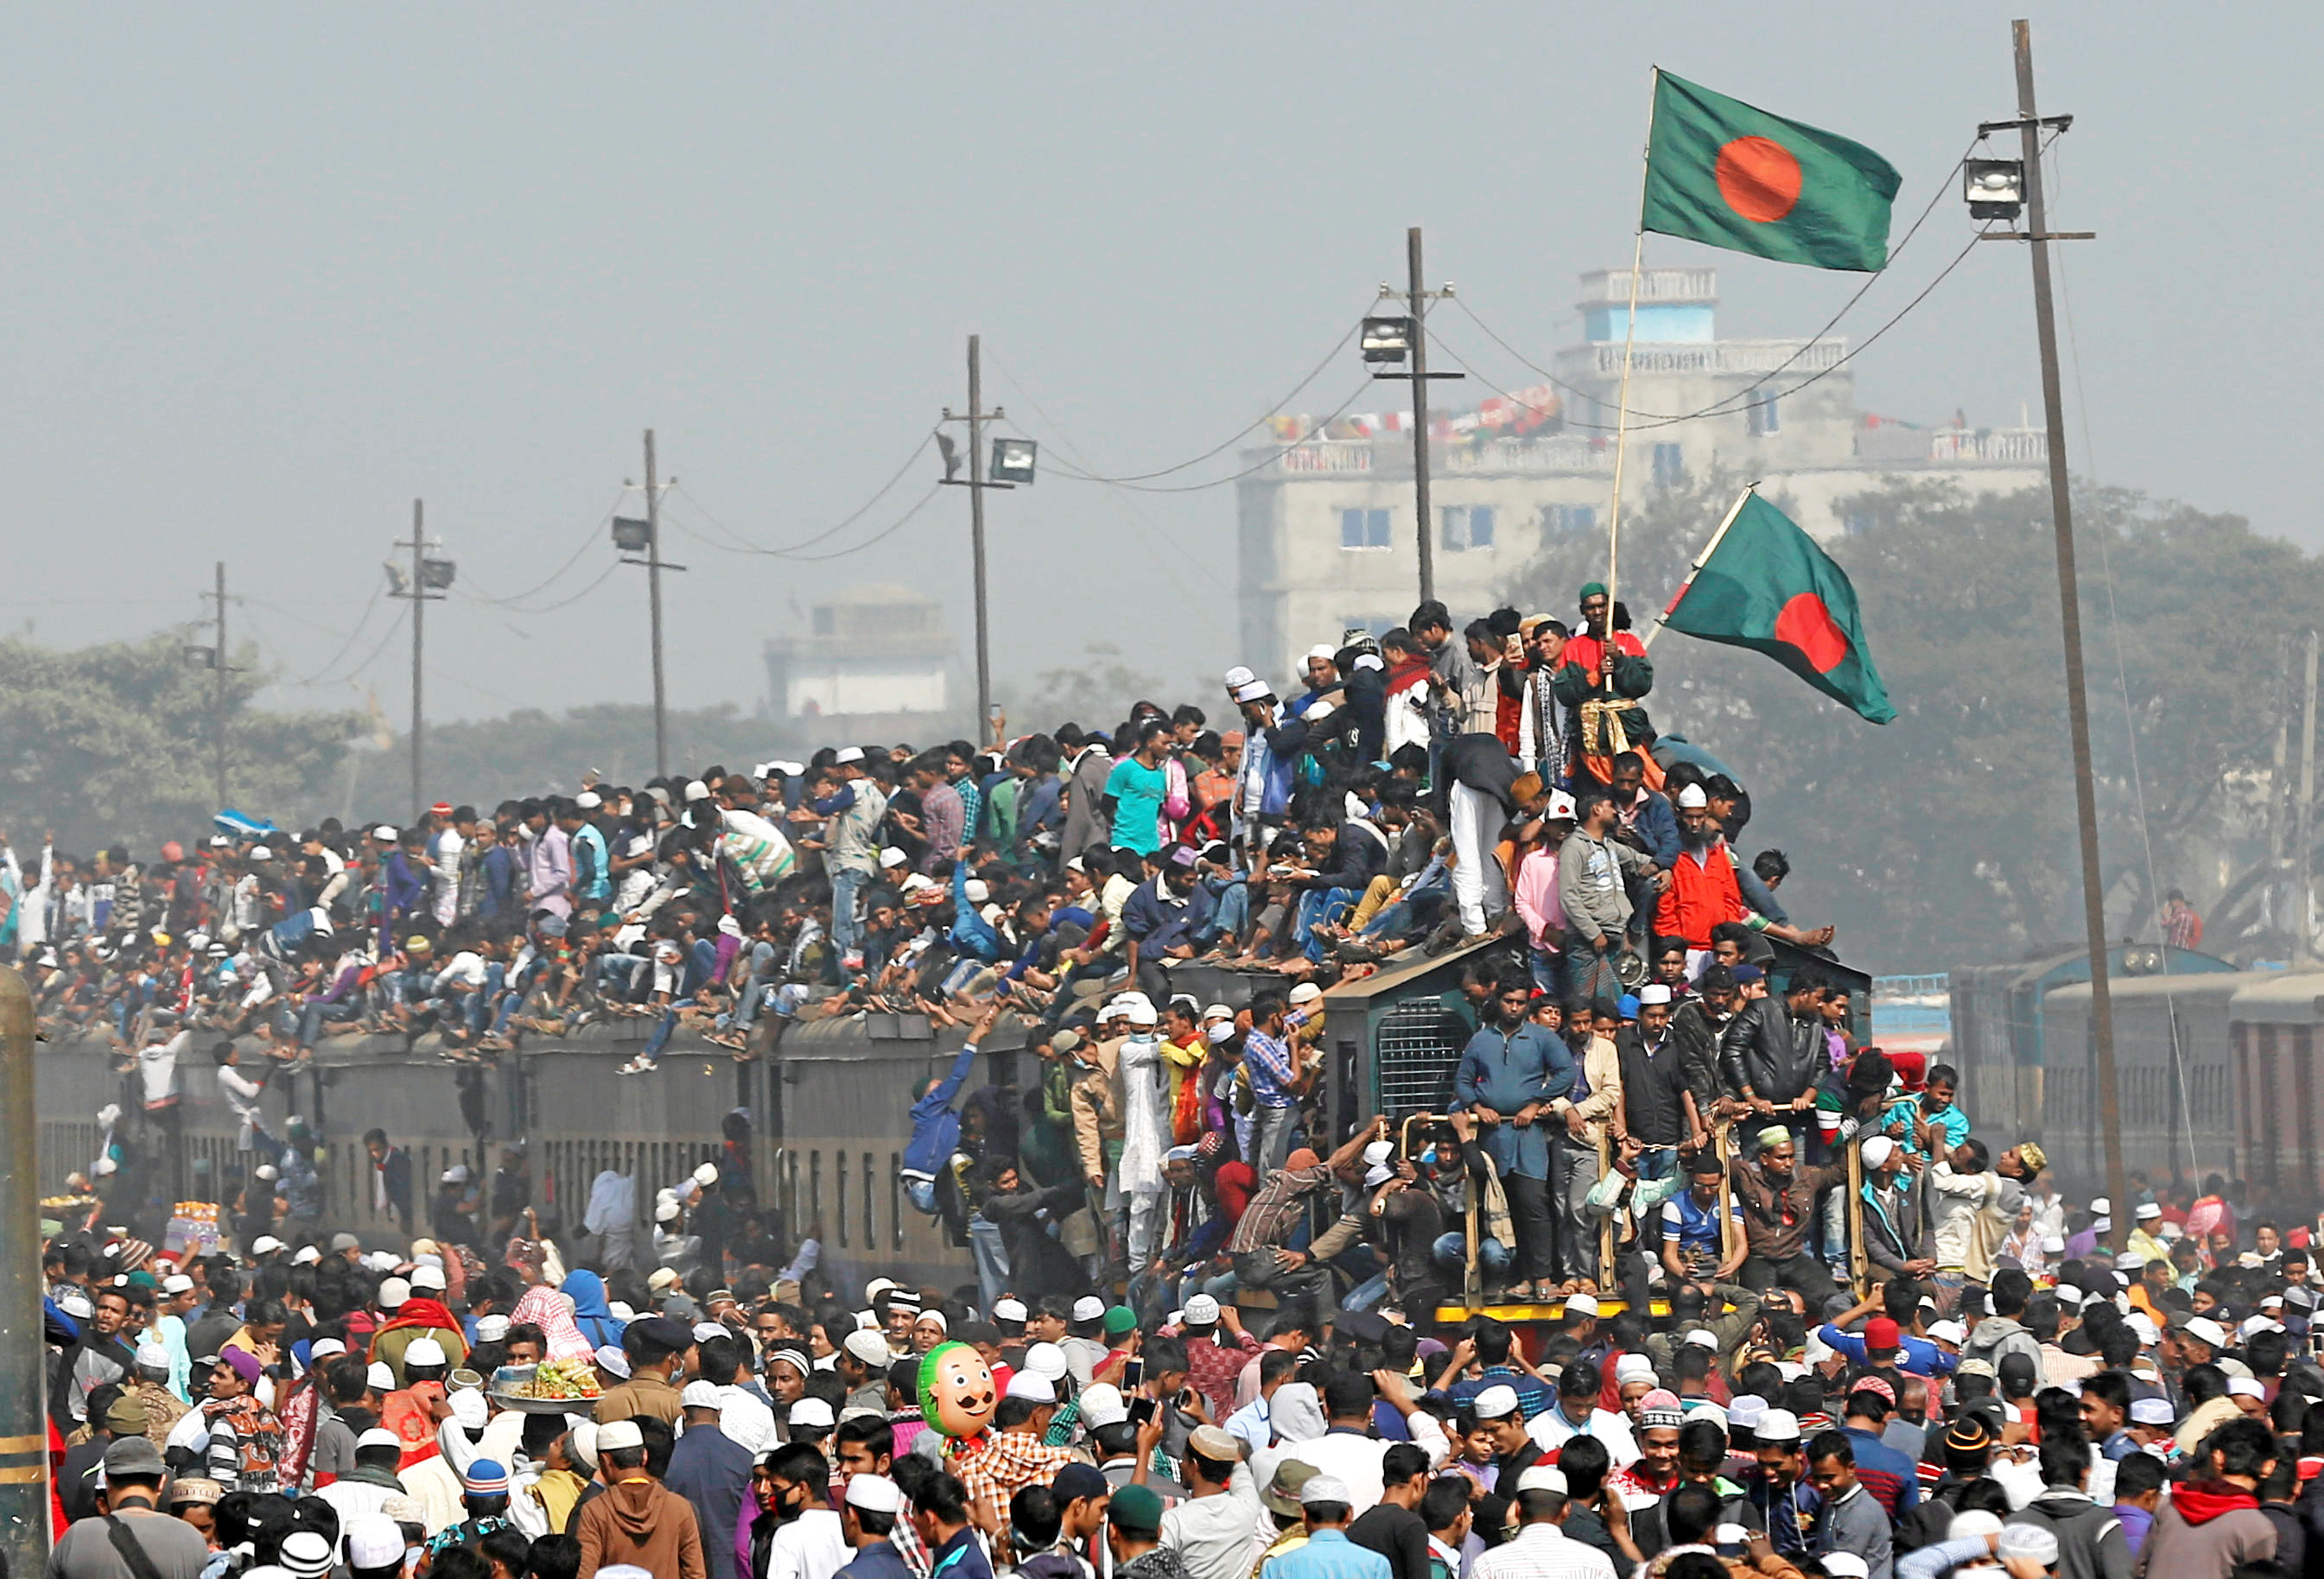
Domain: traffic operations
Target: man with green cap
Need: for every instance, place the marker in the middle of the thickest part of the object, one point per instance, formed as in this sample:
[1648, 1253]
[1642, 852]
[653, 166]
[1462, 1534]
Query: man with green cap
[1779, 1198]
[1133, 1532]
[1603, 703]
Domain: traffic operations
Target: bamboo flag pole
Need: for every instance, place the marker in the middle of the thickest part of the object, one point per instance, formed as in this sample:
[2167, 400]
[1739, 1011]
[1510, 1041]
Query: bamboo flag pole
[1701, 560]
[1622, 408]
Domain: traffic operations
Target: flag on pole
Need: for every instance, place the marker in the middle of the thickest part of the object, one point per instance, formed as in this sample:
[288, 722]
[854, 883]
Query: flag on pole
[1766, 585]
[1722, 172]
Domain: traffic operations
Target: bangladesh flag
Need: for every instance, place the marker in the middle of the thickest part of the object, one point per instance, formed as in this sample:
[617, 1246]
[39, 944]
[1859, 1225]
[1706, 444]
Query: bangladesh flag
[1766, 585]
[1721, 172]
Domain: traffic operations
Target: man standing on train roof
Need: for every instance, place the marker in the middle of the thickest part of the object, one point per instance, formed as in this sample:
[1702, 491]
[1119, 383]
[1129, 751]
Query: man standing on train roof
[1583, 676]
[1510, 1073]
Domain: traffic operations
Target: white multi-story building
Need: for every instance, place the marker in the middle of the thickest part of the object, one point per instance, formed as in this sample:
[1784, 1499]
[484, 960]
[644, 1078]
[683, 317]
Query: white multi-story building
[873, 664]
[1327, 531]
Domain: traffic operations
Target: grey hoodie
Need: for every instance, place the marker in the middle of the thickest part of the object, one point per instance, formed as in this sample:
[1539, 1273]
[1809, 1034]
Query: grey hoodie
[1999, 1336]
[2090, 1542]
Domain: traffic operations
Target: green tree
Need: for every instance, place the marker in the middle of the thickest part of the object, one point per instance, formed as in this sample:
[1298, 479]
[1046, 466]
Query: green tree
[1947, 837]
[114, 744]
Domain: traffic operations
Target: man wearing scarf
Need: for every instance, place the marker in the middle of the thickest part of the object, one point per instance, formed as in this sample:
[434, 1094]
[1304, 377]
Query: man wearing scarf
[420, 1313]
[2212, 1524]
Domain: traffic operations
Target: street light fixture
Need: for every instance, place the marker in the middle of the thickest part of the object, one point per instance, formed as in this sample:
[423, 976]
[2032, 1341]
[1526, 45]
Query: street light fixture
[631, 535]
[1993, 188]
[435, 574]
[1386, 339]
[1012, 460]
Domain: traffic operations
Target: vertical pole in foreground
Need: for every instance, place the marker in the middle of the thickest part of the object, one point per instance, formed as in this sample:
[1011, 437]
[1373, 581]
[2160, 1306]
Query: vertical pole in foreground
[2303, 937]
[2070, 622]
[418, 643]
[23, 1433]
[1623, 412]
[220, 651]
[1418, 301]
[976, 527]
[654, 596]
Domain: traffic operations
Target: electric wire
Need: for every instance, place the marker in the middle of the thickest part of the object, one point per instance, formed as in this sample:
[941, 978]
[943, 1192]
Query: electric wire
[1082, 475]
[354, 636]
[877, 538]
[749, 547]
[2122, 674]
[1312, 436]
[369, 659]
[487, 599]
[1739, 397]
[1164, 554]
[1842, 361]
[603, 577]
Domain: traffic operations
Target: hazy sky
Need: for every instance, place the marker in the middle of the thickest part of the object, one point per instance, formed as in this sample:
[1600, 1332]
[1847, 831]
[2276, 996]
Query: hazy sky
[273, 272]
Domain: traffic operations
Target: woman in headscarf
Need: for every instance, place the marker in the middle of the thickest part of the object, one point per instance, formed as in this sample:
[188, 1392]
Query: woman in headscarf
[594, 1319]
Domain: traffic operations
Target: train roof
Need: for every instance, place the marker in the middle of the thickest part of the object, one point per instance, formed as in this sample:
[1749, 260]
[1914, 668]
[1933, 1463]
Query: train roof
[2125, 962]
[2206, 985]
[2281, 997]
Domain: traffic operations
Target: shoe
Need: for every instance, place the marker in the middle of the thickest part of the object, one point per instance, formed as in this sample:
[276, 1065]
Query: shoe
[636, 1066]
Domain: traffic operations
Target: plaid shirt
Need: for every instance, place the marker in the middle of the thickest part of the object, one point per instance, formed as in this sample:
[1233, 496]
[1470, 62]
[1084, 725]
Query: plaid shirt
[1213, 1369]
[1276, 1209]
[1004, 1463]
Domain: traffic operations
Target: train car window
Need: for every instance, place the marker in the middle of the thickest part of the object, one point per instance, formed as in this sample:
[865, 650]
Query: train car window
[839, 1177]
[814, 1187]
[895, 1197]
[790, 1191]
[871, 1201]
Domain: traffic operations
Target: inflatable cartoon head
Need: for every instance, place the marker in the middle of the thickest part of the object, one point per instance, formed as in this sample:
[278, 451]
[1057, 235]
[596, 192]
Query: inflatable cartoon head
[956, 1392]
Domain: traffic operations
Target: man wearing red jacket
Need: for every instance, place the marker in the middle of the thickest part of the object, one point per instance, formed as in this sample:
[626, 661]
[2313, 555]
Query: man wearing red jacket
[1703, 892]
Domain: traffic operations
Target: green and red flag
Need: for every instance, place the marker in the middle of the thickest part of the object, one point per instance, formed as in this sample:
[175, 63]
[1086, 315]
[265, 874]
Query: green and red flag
[1722, 172]
[1766, 585]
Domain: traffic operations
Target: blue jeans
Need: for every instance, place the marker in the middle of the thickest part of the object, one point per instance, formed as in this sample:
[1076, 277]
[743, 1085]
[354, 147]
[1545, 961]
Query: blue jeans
[991, 1259]
[766, 965]
[1229, 918]
[1451, 1252]
[1318, 904]
[845, 886]
[660, 1037]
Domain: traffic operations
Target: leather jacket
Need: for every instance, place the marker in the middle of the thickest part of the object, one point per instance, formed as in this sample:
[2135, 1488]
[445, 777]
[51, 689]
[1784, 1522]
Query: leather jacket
[1766, 1051]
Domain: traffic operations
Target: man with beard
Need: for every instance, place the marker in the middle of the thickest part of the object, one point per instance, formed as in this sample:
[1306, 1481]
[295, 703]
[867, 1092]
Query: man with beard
[1510, 1074]
[99, 1359]
[1697, 1027]
[1703, 892]
[1772, 1054]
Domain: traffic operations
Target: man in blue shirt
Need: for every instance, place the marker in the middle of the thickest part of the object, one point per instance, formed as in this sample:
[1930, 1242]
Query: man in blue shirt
[940, 1515]
[1160, 919]
[1489, 1343]
[1327, 1504]
[1510, 1072]
[867, 1518]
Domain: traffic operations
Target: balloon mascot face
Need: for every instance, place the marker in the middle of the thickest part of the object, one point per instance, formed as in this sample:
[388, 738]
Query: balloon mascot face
[957, 1395]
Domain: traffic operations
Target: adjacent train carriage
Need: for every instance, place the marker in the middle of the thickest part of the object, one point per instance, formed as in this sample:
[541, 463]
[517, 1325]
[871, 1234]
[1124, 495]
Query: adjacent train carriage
[2275, 1024]
[2001, 1041]
[2171, 1079]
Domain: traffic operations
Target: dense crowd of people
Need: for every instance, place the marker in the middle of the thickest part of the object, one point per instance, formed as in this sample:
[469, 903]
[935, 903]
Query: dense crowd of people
[1773, 1305]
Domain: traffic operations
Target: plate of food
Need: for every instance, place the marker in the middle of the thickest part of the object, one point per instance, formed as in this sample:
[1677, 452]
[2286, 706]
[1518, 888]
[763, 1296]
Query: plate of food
[553, 1387]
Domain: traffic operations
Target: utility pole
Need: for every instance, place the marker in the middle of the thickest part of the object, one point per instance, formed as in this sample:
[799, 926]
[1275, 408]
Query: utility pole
[429, 577]
[219, 663]
[23, 1431]
[1416, 298]
[632, 535]
[654, 594]
[2304, 923]
[976, 528]
[419, 645]
[2070, 620]
[976, 485]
